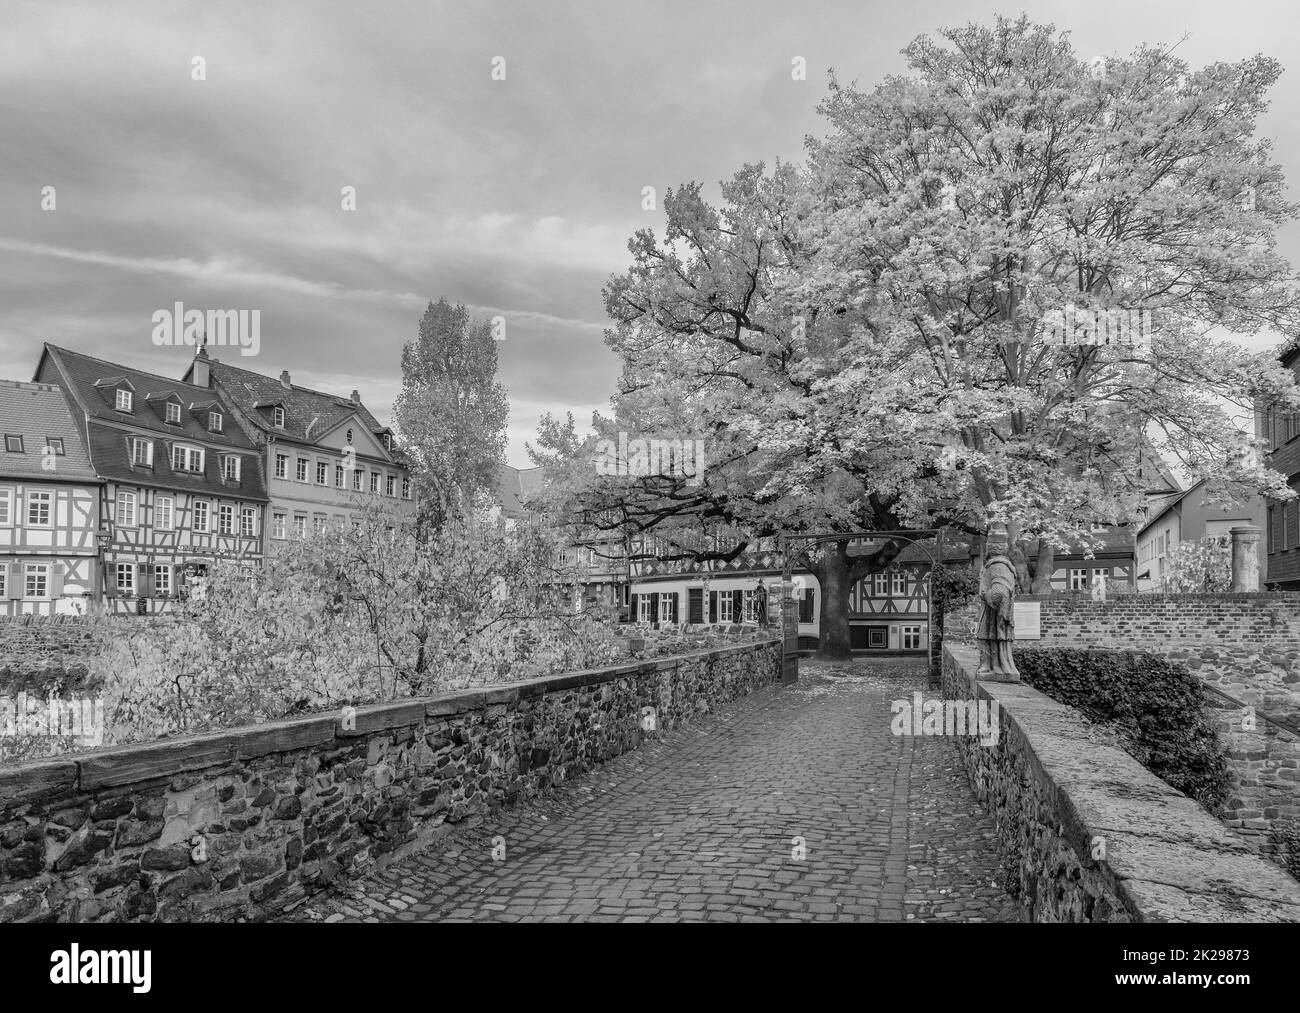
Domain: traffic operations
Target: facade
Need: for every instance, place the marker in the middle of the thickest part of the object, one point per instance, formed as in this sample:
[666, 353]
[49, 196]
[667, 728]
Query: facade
[1281, 542]
[323, 455]
[49, 505]
[1187, 518]
[888, 610]
[183, 485]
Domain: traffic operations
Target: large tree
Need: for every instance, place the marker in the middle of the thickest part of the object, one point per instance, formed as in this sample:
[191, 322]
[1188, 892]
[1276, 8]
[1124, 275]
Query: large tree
[959, 212]
[451, 412]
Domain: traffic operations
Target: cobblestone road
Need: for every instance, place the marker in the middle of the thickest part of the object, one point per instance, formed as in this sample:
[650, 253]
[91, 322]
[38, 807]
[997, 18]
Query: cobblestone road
[701, 825]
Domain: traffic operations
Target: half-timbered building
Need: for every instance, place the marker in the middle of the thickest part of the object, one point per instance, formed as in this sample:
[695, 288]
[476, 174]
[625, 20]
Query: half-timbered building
[183, 485]
[49, 505]
[323, 454]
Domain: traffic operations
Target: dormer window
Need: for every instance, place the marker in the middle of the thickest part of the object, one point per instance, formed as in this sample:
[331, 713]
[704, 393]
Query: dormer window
[54, 445]
[13, 444]
[214, 422]
[173, 416]
[277, 417]
[141, 452]
[123, 402]
[187, 458]
[230, 468]
[388, 441]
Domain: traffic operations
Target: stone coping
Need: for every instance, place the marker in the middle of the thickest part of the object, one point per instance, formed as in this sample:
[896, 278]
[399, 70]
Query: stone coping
[116, 766]
[1167, 858]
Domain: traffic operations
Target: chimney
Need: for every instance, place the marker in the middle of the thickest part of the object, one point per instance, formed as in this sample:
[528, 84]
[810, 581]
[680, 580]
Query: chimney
[284, 380]
[356, 397]
[202, 368]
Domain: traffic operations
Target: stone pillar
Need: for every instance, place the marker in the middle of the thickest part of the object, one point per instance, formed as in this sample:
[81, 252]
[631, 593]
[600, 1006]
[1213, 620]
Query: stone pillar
[1245, 558]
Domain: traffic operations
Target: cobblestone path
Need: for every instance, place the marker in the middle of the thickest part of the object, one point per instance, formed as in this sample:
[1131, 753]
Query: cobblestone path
[702, 825]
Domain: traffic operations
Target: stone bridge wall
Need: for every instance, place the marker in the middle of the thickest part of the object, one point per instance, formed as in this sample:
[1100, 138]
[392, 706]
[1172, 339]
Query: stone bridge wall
[247, 821]
[1246, 645]
[1087, 834]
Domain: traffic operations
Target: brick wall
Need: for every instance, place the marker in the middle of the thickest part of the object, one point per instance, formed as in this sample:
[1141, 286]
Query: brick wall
[1089, 835]
[241, 823]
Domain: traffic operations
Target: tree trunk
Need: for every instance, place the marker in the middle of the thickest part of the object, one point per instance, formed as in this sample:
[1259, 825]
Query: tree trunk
[1044, 568]
[832, 572]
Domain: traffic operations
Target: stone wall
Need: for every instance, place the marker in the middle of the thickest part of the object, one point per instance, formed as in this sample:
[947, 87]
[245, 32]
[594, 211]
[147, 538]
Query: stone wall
[37, 649]
[1246, 646]
[1089, 835]
[242, 823]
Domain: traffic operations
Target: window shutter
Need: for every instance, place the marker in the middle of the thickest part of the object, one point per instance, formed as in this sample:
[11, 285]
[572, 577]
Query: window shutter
[143, 580]
[14, 583]
[713, 606]
[633, 613]
[110, 580]
[56, 580]
[654, 608]
[737, 605]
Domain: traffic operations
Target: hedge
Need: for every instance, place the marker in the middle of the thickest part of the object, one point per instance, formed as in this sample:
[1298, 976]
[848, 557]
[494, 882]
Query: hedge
[1157, 707]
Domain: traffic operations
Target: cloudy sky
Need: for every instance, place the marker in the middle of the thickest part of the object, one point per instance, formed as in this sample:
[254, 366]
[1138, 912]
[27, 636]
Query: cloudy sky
[515, 197]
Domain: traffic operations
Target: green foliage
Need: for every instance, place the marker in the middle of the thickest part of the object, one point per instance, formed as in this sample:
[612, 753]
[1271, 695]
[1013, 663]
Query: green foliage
[951, 587]
[1198, 566]
[1157, 708]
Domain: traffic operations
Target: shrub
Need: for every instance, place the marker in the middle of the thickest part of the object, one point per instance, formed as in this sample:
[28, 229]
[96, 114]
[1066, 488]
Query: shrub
[1157, 708]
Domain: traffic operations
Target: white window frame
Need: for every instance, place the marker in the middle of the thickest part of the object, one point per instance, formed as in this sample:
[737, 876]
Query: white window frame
[390, 485]
[248, 522]
[281, 465]
[182, 456]
[123, 400]
[230, 467]
[6, 508]
[406, 487]
[667, 607]
[162, 581]
[41, 571]
[215, 422]
[206, 514]
[643, 609]
[172, 413]
[906, 633]
[300, 470]
[358, 480]
[126, 498]
[322, 473]
[726, 599]
[279, 525]
[225, 519]
[879, 585]
[340, 478]
[300, 525]
[145, 459]
[1078, 579]
[129, 570]
[897, 584]
[374, 482]
[41, 497]
[277, 417]
[319, 524]
[164, 513]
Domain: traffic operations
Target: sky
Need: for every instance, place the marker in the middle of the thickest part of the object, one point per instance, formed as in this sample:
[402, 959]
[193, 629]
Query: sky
[514, 196]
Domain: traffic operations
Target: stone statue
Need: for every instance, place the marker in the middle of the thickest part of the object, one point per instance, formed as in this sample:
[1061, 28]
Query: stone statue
[995, 629]
[1098, 585]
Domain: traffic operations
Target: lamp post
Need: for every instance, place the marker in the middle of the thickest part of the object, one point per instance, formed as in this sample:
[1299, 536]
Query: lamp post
[103, 537]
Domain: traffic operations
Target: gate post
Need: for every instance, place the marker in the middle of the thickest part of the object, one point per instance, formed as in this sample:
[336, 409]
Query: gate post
[789, 620]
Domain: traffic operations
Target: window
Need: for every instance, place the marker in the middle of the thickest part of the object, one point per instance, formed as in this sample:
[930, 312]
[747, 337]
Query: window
[322, 473]
[248, 522]
[141, 451]
[202, 514]
[125, 573]
[4, 570]
[36, 583]
[13, 444]
[277, 417]
[281, 465]
[279, 522]
[357, 479]
[54, 445]
[187, 458]
[318, 523]
[1105, 573]
[1078, 580]
[125, 509]
[349, 434]
[374, 481]
[911, 638]
[173, 417]
[163, 508]
[668, 608]
[898, 583]
[214, 422]
[6, 508]
[123, 403]
[38, 508]
[390, 485]
[162, 581]
[338, 476]
[406, 488]
[725, 600]
[879, 583]
[643, 608]
[747, 608]
[300, 525]
[230, 468]
[302, 469]
[226, 523]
